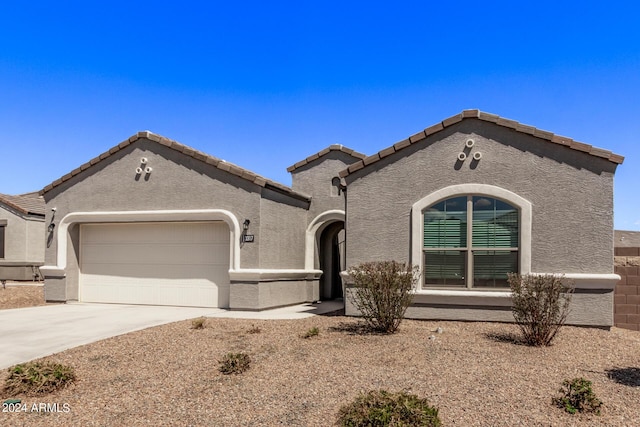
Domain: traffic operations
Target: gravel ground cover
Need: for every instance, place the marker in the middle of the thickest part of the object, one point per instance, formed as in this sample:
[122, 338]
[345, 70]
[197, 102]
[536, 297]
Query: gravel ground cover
[19, 296]
[473, 372]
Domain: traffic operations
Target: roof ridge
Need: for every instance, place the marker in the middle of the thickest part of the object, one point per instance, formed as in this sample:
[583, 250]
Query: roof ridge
[189, 151]
[324, 152]
[487, 117]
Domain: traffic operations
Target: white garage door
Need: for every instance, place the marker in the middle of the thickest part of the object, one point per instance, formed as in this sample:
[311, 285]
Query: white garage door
[182, 264]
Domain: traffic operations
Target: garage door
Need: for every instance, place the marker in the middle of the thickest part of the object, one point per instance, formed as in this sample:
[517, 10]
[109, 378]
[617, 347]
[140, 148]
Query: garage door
[182, 264]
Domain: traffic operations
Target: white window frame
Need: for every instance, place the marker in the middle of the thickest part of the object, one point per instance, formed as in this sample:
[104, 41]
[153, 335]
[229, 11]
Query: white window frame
[462, 190]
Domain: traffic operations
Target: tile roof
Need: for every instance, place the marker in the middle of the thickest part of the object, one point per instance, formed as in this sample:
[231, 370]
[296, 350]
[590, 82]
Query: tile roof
[500, 121]
[191, 152]
[28, 203]
[334, 147]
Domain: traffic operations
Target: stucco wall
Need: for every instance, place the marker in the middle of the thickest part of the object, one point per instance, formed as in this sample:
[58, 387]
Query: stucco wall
[14, 236]
[281, 235]
[177, 182]
[571, 194]
[315, 179]
[24, 237]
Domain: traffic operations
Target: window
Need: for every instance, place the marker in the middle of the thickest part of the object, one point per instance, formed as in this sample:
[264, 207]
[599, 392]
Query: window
[470, 242]
[2, 227]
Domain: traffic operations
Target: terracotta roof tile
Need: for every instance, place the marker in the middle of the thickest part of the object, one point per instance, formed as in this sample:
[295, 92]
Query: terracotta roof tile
[492, 118]
[525, 128]
[599, 152]
[402, 144]
[580, 146]
[28, 203]
[371, 159]
[543, 134]
[324, 152]
[433, 129]
[452, 120]
[417, 137]
[198, 155]
[616, 158]
[387, 151]
[563, 140]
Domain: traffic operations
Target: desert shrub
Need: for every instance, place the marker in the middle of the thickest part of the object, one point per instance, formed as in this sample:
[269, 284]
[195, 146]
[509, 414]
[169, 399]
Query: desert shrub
[382, 292]
[37, 378]
[577, 396]
[540, 306]
[381, 408]
[198, 323]
[312, 332]
[234, 363]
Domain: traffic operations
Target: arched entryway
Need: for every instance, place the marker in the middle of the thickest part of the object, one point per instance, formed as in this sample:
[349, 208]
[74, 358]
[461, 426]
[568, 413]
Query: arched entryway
[330, 255]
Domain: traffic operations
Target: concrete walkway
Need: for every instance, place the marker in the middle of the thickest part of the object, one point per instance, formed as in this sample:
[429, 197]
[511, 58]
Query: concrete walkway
[34, 332]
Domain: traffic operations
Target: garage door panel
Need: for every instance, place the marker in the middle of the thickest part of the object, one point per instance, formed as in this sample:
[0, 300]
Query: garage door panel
[163, 232]
[155, 263]
[153, 294]
[138, 253]
[93, 272]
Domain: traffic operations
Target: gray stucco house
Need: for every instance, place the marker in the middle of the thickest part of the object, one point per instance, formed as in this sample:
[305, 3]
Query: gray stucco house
[467, 200]
[21, 236]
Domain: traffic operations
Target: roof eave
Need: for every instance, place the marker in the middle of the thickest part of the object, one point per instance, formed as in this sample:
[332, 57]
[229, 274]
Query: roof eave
[487, 117]
[334, 147]
[191, 152]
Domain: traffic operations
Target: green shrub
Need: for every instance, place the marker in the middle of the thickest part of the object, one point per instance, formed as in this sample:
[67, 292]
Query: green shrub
[381, 408]
[382, 292]
[37, 378]
[311, 332]
[234, 363]
[577, 396]
[198, 323]
[540, 306]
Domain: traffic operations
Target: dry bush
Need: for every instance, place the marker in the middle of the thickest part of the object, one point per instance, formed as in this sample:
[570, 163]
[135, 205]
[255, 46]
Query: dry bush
[382, 292]
[35, 378]
[540, 306]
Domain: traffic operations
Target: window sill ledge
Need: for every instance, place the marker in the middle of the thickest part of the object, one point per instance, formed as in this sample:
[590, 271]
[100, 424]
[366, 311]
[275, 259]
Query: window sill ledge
[464, 293]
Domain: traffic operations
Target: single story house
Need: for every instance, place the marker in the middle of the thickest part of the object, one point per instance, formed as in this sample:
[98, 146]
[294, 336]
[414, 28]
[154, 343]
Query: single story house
[469, 199]
[21, 236]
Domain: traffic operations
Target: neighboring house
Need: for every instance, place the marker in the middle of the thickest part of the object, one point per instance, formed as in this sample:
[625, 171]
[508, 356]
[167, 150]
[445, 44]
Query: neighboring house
[467, 200]
[21, 236]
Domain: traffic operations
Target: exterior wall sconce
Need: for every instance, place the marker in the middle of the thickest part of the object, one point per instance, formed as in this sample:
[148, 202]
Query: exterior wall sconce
[53, 217]
[245, 224]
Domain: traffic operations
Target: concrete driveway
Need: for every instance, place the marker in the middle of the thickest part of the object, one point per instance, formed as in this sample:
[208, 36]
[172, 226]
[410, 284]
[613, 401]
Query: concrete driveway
[34, 332]
[30, 333]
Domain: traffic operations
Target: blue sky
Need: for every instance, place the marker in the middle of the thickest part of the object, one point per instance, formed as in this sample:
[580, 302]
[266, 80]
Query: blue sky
[265, 84]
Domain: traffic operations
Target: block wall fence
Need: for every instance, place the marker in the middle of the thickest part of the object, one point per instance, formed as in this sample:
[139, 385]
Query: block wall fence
[627, 294]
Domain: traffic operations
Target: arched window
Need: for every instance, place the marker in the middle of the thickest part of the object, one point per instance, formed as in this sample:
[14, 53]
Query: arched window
[470, 241]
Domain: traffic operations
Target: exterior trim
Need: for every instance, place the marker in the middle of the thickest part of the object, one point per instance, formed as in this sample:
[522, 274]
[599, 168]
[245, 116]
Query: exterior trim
[260, 275]
[316, 225]
[524, 206]
[589, 280]
[58, 270]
